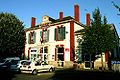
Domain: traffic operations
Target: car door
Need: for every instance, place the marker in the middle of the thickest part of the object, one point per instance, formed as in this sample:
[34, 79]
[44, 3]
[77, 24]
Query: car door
[45, 66]
[38, 66]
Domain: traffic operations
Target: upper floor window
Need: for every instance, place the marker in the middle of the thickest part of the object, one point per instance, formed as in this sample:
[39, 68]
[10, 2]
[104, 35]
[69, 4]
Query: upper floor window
[32, 37]
[60, 33]
[44, 35]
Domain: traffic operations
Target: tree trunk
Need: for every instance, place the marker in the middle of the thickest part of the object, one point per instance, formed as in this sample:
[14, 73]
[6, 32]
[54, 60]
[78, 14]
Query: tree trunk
[102, 62]
[90, 62]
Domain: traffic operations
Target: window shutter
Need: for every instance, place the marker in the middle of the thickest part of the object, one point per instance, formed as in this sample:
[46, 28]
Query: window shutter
[34, 34]
[61, 33]
[29, 38]
[55, 36]
[41, 35]
[64, 32]
[47, 35]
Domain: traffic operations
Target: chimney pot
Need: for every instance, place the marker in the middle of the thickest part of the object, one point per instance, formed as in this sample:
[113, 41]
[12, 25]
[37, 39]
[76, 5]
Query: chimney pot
[60, 15]
[33, 20]
[88, 19]
[76, 12]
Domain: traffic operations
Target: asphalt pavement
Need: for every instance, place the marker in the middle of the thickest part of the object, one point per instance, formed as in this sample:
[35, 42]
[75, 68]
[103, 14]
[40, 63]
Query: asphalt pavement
[61, 74]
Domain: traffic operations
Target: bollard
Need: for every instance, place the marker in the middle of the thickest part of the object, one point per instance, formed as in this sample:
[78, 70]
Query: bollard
[75, 66]
[114, 67]
[119, 68]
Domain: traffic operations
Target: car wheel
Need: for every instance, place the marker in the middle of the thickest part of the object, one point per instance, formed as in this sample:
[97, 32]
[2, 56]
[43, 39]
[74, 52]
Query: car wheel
[51, 70]
[34, 72]
[19, 71]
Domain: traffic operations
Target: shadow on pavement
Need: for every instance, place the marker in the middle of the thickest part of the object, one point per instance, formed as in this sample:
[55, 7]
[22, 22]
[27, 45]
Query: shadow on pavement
[7, 75]
[71, 74]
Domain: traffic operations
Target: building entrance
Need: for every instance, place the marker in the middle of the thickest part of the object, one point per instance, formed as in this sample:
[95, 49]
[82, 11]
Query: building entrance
[60, 56]
[87, 59]
[40, 54]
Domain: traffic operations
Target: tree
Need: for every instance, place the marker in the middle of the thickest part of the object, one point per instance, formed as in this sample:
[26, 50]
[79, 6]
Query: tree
[98, 37]
[12, 35]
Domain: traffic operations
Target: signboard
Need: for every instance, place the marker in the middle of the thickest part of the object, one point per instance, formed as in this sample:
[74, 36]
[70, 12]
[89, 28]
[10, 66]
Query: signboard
[33, 50]
[67, 49]
[115, 62]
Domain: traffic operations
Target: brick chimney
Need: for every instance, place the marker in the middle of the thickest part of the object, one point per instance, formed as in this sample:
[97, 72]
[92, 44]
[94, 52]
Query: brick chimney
[33, 20]
[60, 15]
[76, 12]
[88, 19]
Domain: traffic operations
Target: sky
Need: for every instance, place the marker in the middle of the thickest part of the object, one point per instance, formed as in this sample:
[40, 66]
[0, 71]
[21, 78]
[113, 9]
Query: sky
[25, 9]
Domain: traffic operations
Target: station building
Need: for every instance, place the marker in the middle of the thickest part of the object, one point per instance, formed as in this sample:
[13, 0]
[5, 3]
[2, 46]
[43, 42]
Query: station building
[55, 40]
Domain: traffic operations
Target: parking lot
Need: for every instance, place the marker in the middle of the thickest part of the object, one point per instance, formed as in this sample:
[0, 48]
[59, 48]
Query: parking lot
[61, 74]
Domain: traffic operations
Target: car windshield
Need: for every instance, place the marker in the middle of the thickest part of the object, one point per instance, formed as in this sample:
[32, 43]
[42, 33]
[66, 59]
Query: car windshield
[44, 63]
[14, 62]
[27, 63]
[22, 62]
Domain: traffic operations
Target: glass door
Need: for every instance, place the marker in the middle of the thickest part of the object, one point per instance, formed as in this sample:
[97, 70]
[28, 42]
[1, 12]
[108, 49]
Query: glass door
[60, 51]
[87, 59]
[60, 56]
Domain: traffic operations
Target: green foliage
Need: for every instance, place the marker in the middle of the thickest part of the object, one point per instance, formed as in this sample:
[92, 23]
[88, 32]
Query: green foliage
[98, 37]
[12, 35]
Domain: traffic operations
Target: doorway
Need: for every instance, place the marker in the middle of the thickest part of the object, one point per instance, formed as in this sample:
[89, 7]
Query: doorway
[60, 54]
[87, 59]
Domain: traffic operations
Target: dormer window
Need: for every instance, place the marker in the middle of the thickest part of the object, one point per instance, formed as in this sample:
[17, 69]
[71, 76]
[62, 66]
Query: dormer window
[44, 17]
[46, 20]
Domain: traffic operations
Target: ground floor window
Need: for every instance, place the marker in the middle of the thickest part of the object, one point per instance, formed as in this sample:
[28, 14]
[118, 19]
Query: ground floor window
[35, 56]
[41, 54]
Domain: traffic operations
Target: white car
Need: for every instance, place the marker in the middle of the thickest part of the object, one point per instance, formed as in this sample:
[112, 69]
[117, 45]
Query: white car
[34, 67]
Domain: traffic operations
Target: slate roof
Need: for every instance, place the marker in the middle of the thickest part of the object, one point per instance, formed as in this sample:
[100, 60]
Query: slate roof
[57, 21]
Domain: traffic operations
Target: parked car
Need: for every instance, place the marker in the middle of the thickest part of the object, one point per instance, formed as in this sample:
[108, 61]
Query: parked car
[5, 63]
[35, 66]
[16, 64]
[21, 62]
[7, 60]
